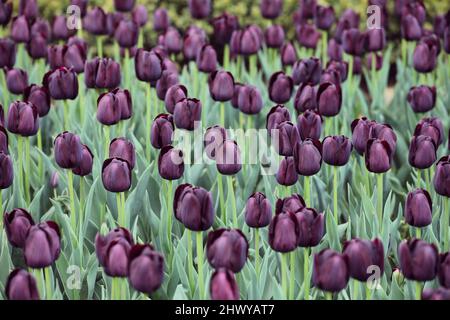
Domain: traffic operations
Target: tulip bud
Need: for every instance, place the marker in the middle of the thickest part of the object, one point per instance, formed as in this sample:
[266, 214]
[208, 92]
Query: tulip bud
[224, 25]
[286, 174]
[23, 119]
[228, 158]
[271, 9]
[68, 150]
[170, 163]
[16, 80]
[55, 55]
[419, 260]
[95, 22]
[307, 71]
[441, 180]
[174, 94]
[274, 36]
[193, 207]
[236, 91]
[40, 97]
[410, 28]
[362, 255]
[5, 12]
[311, 227]
[116, 175]
[288, 137]
[275, 116]
[109, 111]
[250, 100]
[3, 139]
[337, 150]
[124, 149]
[422, 98]
[422, 152]
[186, 113]
[6, 171]
[258, 211]
[148, 65]
[102, 73]
[227, 248]
[17, 223]
[207, 59]
[7, 53]
[20, 29]
[431, 127]
[221, 85]
[308, 157]
[75, 55]
[124, 5]
[375, 40]
[309, 125]
[28, 8]
[418, 208]
[384, 132]
[172, 41]
[292, 204]
[330, 271]
[249, 40]
[213, 139]
[223, 285]
[168, 79]
[280, 87]
[162, 131]
[102, 242]
[305, 98]
[283, 232]
[329, 99]
[353, 42]
[84, 168]
[288, 54]
[62, 84]
[436, 294]
[60, 30]
[199, 9]
[324, 17]
[307, 35]
[146, 268]
[378, 156]
[194, 40]
[21, 285]
[127, 33]
[334, 50]
[444, 270]
[42, 245]
[113, 20]
[425, 56]
[361, 133]
[54, 180]
[439, 25]
[161, 20]
[341, 67]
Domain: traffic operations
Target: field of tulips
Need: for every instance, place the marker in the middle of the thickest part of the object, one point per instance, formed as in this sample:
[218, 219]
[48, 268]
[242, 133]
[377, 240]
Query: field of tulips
[225, 163]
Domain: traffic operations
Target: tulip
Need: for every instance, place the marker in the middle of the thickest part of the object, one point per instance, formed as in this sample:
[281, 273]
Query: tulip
[102, 73]
[23, 119]
[419, 260]
[109, 109]
[280, 87]
[194, 40]
[236, 91]
[116, 175]
[193, 207]
[28, 8]
[84, 168]
[102, 243]
[174, 94]
[162, 131]
[170, 163]
[124, 149]
[361, 255]
[258, 211]
[307, 71]
[275, 116]
[5, 12]
[60, 30]
[436, 294]
[42, 245]
[95, 21]
[148, 65]
[127, 33]
[361, 133]
[353, 42]
[207, 59]
[41, 27]
[330, 271]
[3, 140]
[336, 150]
[410, 28]
[199, 9]
[439, 25]
[167, 80]
[186, 113]
[286, 174]
[146, 268]
[228, 158]
[378, 156]
[55, 56]
[309, 125]
[16, 80]
[221, 85]
[418, 208]
[442, 177]
[227, 248]
[62, 84]
[415, 8]
[274, 36]
[384, 132]
[377, 64]
[305, 98]
[341, 67]
[342, 26]
[288, 54]
[250, 100]
[422, 152]
[292, 204]
[113, 20]
[324, 17]
[329, 99]
[20, 29]
[172, 40]
[17, 224]
[271, 9]
[283, 232]
[311, 227]
[307, 35]
[161, 20]
[68, 150]
[351, 17]
[425, 56]
[7, 53]
[375, 40]
[288, 137]
[444, 270]
[308, 157]
[235, 42]
[21, 285]
[431, 127]
[334, 50]
[223, 285]
[75, 56]
[249, 40]
[223, 26]
[124, 5]
[6, 171]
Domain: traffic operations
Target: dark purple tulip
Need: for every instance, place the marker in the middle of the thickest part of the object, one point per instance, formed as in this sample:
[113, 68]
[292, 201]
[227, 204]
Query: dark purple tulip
[361, 133]
[21, 285]
[336, 150]
[17, 223]
[40, 97]
[283, 232]
[307, 35]
[436, 294]
[102, 73]
[42, 245]
[169, 66]
[415, 8]
[431, 127]
[20, 30]
[353, 42]
[275, 116]
[274, 36]
[199, 9]
[146, 268]
[68, 150]
[170, 163]
[378, 156]
[311, 227]
[124, 5]
[55, 55]
[113, 251]
[305, 98]
[324, 17]
[223, 285]
[441, 180]
[41, 27]
[168, 79]
[418, 208]
[5, 12]
[174, 94]
[378, 62]
[309, 125]
[75, 55]
[308, 157]
[288, 54]
[292, 204]
[258, 211]
[109, 109]
[444, 270]
[60, 30]
[236, 91]
[16, 80]
[207, 59]
[334, 50]
[227, 248]
[221, 85]
[288, 137]
[375, 40]
[419, 260]
[140, 16]
[223, 26]
[23, 119]
[161, 20]
[82, 4]
[84, 168]
[235, 42]
[124, 149]
[384, 132]
[95, 21]
[228, 158]
[329, 99]
[280, 87]
[28, 8]
[352, 17]
[127, 33]
[330, 271]
[3, 139]
[186, 113]
[192, 43]
[271, 9]
[116, 175]
[425, 57]
[162, 131]
[411, 28]
[439, 25]
[422, 152]
[61, 83]
[7, 53]
[286, 174]
[249, 40]
[6, 171]
[341, 67]
[250, 100]
[361, 255]
[342, 26]
[113, 20]
[193, 207]
[123, 98]
[307, 71]
[148, 65]
[172, 40]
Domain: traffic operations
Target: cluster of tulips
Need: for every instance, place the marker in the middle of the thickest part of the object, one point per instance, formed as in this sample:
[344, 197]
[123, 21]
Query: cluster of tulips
[145, 96]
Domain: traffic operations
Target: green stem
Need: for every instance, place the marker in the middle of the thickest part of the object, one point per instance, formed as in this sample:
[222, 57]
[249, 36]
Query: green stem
[99, 41]
[380, 199]
[27, 170]
[201, 285]
[427, 179]
[292, 276]
[40, 162]
[106, 132]
[355, 290]
[127, 69]
[418, 233]
[257, 259]
[115, 289]
[221, 199]
[222, 114]
[368, 292]
[73, 218]
[81, 199]
[190, 260]
[253, 62]
[335, 196]
[284, 275]
[306, 280]
[329, 295]
[140, 43]
[307, 191]
[418, 177]
[81, 103]
[226, 57]
[48, 283]
[418, 290]
[1, 208]
[324, 48]
[20, 156]
[66, 115]
[446, 221]
[148, 113]
[116, 51]
[120, 218]
[404, 49]
[5, 92]
[233, 199]
[169, 211]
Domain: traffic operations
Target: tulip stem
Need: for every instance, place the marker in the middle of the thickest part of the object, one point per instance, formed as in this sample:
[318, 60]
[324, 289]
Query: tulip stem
[73, 220]
[324, 48]
[257, 260]
[222, 114]
[284, 275]
[106, 132]
[27, 170]
[355, 290]
[427, 179]
[418, 233]
[66, 114]
[120, 197]
[169, 211]
[226, 56]
[306, 272]
[335, 195]
[418, 178]
[292, 275]
[48, 283]
[446, 222]
[1, 208]
[20, 156]
[418, 290]
[307, 191]
[380, 200]
[328, 295]
[221, 199]
[81, 99]
[201, 285]
[99, 41]
[148, 113]
[40, 163]
[81, 199]
[404, 49]
[253, 62]
[127, 69]
[5, 92]
[233, 199]
[368, 292]
[190, 260]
